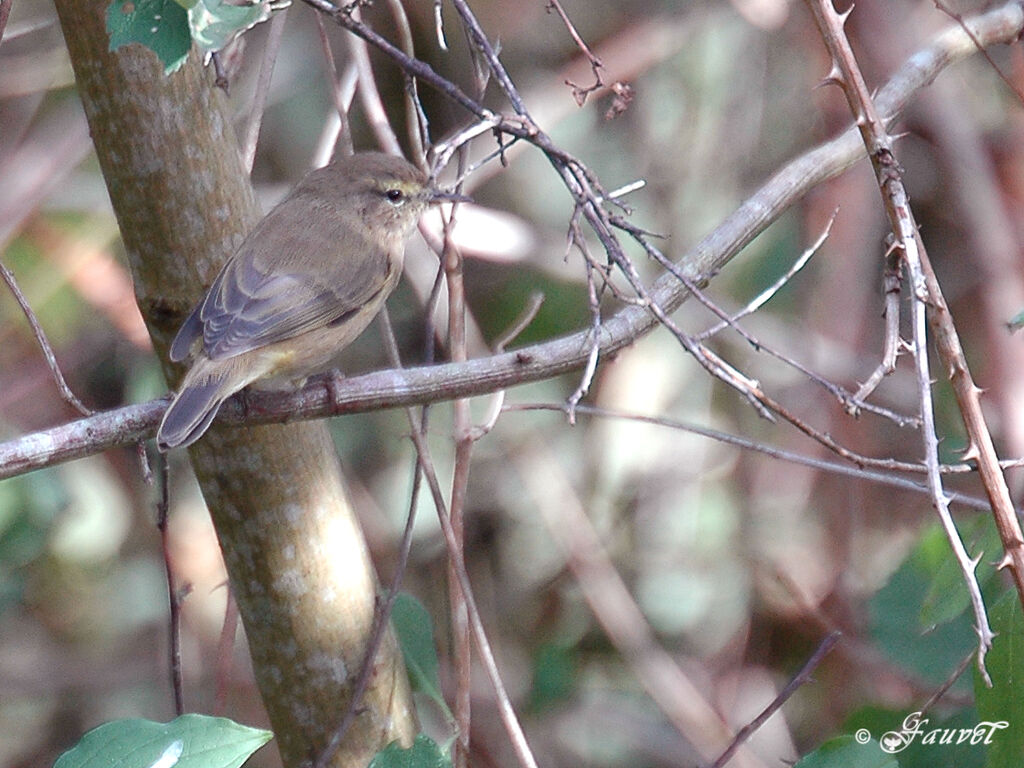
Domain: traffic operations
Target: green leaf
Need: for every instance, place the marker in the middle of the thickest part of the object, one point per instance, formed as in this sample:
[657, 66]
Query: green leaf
[848, 752]
[424, 753]
[215, 23]
[921, 740]
[930, 652]
[947, 595]
[415, 633]
[554, 675]
[1001, 707]
[160, 25]
[189, 741]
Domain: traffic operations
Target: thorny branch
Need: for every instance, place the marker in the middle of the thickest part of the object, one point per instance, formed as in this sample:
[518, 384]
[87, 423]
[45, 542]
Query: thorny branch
[925, 290]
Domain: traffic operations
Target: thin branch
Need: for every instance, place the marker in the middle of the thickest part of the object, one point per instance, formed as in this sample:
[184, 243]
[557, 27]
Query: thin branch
[965, 26]
[343, 89]
[780, 454]
[505, 708]
[540, 361]
[579, 93]
[442, 43]
[44, 344]
[519, 325]
[845, 398]
[225, 651]
[950, 681]
[174, 596]
[800, 679]
[416, 125]
[891, 342]
[684, 704]
[765, 296]
[594, 303]
[463, 435]
[5, 12]
[259, 99]
[382, 614]
[369, 96]
[846, 73]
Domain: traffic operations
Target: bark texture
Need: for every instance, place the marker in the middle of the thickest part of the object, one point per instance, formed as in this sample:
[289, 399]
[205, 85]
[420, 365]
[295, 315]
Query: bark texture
[296, 557]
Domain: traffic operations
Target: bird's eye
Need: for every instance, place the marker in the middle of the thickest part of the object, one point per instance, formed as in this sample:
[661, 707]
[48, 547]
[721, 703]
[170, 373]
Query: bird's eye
[395, 196]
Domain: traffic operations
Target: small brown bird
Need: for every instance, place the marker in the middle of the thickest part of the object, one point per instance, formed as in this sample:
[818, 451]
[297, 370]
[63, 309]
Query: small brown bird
[303, 285]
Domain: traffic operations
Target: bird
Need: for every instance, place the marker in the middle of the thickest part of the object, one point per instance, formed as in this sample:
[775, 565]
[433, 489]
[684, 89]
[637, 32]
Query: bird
[301, 286]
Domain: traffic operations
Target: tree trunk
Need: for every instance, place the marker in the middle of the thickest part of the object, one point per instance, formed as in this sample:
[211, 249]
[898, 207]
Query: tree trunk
[297, 560]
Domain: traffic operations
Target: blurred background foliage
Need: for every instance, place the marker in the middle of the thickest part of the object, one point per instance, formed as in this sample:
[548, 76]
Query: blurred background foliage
[741, 563]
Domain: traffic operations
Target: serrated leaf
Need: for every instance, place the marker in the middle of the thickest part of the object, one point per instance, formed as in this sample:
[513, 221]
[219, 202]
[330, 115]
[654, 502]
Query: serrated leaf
[189, 741]
[415, 632]
[424, 753]
[1003, 703]
[848, 752]
[160, 25]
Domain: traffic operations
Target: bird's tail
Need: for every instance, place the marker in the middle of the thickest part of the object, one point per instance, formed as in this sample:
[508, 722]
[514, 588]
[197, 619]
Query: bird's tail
[199, 397]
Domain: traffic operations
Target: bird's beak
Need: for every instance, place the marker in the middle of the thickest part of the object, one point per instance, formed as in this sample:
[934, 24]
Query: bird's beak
[441, 196]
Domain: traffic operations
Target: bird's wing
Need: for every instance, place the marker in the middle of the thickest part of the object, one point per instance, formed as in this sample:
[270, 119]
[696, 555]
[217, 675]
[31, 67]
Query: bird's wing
[256, 301]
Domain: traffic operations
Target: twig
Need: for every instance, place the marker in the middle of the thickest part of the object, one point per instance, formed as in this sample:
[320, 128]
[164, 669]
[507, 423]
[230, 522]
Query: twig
[505, 708]
[578, 92]
[342, 91]
[891, 343]
[442, 43]
[416, 386]
[369, 95]
[846, 470]
[765, 296]
[44, 344]
[416, 124]
[174, 597]
[259, 99]
[463, 434]
[444, 149]
[949, 682]
[5, 12]
[594, 303]
[845, 398]
[518, 326]
[225, 649]
[675, 694]
[801, 678]
[965, 26]
[382, 614]
[846, 73]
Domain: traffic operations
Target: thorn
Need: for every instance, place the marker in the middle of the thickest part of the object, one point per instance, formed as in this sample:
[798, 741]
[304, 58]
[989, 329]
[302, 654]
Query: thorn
[971, 452]
[834, 77]
[1005, 562]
